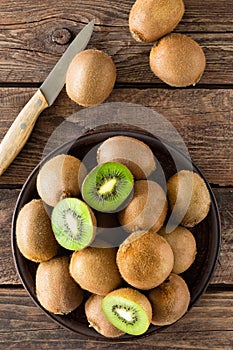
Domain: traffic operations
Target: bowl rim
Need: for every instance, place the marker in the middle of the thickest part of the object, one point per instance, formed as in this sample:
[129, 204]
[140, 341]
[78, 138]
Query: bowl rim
[15, 252]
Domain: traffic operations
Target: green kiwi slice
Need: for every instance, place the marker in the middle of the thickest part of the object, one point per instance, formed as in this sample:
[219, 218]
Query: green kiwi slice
[73, 224]
[107, 187]
[128, 310]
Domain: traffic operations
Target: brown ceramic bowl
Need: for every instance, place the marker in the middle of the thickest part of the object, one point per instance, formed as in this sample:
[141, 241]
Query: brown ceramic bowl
[207, 233]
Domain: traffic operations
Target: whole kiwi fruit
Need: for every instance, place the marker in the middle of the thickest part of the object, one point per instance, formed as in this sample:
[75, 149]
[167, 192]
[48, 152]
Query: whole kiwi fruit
[169, 301]
[147, 209]
[129, 151]
[97, 318]
[149, 20]
[177, 60]
[95, 269]
[34, 235]
[183, 245]
[90, 77]
[145, 259]
[56, 291]
[189, 197]
[60, 177]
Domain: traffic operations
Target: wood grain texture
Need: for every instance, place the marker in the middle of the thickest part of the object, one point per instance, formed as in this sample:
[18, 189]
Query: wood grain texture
[28, 50]
[224, 269]
[202, 117]
[207, 325]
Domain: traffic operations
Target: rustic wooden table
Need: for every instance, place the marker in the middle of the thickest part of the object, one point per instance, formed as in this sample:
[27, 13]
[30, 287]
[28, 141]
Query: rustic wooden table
[33, 35]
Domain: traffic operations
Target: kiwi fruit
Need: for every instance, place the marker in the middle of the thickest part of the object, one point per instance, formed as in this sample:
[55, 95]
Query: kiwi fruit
[169, 301]
[129, 151]
[128, 310]
[150, 20]
[60, 177]
[95, 269]
[97, 319]
[189, 198]
[145, 260]
[34, 235]
[177, 60]
[107, 187]
[56, 291]
[183, 245]
[90, 77]
[73, 223]
[147, 209]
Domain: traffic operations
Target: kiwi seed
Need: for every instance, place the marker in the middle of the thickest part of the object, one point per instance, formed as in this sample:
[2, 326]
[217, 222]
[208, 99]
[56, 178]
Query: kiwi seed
[150, 20]
[128, 310]
[169, 301]
[34, 235]
[95, 269]
[145, 259]
[56, 291]
[121, 149]
[183, 245]
[177, 60]
[97, 318]
[90, 77]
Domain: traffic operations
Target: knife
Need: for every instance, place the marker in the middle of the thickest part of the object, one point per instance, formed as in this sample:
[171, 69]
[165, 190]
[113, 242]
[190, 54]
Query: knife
[20, 130]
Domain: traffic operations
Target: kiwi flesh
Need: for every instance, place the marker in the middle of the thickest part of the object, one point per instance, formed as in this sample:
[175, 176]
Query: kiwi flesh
[183, 245]
[169, 301]
[73, 224]
[188, 197]
[95, 269]
[129, 151]
[90, 77]
[177, 60]
[60, 177]
[34, 236]
[150, 20]
[147, 209]
[107, 187]
[145, 260]
[97, 318]
[56, 291]
[128, 310]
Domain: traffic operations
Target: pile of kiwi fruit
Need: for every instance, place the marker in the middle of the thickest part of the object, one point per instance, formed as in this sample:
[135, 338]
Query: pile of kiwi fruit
[123, 288]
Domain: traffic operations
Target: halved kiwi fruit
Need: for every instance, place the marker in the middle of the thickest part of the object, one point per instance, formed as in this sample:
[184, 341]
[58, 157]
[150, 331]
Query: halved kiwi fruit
[131, 152]
[34, 235]
[107, 187]
[97, 318]
[128, 310]
[169, 301]
[73, 224]
[56, 290]
[60, 177]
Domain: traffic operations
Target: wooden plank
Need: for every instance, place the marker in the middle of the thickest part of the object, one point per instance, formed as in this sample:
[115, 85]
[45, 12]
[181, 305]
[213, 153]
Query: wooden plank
[207, 326]
[202, 117]
[223, 273]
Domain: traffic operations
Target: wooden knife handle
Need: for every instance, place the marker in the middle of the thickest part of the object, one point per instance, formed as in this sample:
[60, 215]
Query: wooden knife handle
[20, 130]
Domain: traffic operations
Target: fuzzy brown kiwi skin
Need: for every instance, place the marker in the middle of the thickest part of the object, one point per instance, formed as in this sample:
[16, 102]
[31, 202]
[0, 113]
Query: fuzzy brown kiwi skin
[59, 178]
[95, 269]
[129, 151]
[183, 245]
[34, 236]
[177, 60]
[90, 77]
[97, 318]
[56, 291]
[150, 20]
[147, 209]
[145, 260]
[195, 204]
[169, 301]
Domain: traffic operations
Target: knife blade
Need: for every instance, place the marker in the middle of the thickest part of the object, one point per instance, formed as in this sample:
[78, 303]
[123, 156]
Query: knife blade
[21, 129]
